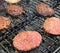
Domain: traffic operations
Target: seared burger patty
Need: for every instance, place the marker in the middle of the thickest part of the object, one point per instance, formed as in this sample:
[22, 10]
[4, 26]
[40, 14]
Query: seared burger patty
[4, 23]
[14, 10]
[44, 10]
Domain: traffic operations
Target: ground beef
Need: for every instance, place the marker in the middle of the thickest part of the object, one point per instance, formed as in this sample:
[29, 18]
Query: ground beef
[14, 10]
[27, 40]
[44, 10]
[52, 25]
[4, 23]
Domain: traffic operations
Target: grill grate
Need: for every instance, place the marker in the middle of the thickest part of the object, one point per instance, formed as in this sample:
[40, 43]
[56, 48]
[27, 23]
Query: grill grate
[30, 21]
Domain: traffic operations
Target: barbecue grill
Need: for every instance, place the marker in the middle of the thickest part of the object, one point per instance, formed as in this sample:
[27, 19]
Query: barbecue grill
[30, 20]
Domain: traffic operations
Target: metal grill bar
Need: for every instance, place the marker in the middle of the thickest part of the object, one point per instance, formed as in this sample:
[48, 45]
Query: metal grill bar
[4, 48]
[57, 50]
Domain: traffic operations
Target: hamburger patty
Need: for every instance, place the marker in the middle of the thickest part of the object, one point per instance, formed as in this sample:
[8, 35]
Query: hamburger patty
[52, 25]
[14, 10]
[4, 22]
[44, 10]
[27, 40]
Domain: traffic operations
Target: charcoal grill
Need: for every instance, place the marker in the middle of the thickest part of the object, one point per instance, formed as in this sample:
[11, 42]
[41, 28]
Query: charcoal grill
[30, 21]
